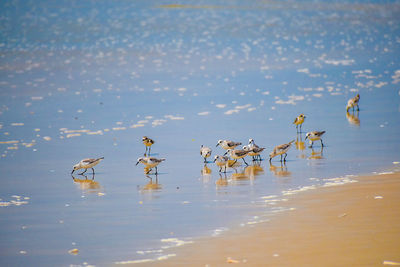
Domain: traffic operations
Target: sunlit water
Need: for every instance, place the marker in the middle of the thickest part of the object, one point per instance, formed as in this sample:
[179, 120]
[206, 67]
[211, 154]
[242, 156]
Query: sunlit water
[89, 79]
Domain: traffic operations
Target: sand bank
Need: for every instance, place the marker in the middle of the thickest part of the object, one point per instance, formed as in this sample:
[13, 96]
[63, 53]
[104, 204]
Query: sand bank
[351, 225]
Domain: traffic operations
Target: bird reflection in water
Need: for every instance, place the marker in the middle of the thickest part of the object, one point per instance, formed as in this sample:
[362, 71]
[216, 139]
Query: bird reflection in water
[206, 174]
[300, 145]
[254, 170]
[316, 154]
[89, 185]
[353, 118]
[152, 185]
[222, 181]
[279, 171]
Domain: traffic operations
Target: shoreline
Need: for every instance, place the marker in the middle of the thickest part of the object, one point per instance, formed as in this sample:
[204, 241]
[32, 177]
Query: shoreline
[347, 225]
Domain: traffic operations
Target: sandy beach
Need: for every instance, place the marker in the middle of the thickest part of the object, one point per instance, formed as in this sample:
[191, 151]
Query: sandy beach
[350, 225]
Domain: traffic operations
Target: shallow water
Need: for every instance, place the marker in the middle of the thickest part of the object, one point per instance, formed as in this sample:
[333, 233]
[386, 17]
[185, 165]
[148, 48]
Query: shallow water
[90, 79]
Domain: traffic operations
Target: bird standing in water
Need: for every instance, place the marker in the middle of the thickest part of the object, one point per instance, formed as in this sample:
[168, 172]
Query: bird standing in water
[148, 142]
[205, 152]
[314, 136]
[299, 121]
[86, 164]
[280, 150]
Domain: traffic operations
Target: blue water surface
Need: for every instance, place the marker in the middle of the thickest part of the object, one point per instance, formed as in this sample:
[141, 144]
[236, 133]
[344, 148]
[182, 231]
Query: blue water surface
[85, 79]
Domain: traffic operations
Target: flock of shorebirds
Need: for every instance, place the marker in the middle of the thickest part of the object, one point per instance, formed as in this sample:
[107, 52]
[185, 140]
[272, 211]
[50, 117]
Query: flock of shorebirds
[224, 161]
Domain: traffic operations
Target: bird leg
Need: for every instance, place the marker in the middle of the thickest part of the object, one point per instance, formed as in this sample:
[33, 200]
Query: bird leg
[322, 144]
[93, 170]
[245, 162]
[156, 170]
[284, 159]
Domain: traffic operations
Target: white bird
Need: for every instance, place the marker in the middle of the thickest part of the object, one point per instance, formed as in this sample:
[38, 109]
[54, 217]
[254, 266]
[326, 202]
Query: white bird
[205, 152]
[226, 144]
[221, 161]
[254, 151]
[280, 150]
[86, 164]
[150, 162]
[314, 136]
[237, 154]
[353, 102]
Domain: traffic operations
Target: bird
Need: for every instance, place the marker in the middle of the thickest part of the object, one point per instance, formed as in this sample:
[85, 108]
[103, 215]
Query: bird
[148, 142]
[280, 150]
[86, 164]
[221, 161]
[237, 154]
[314, 136]
[226, 144]
[205, 152]
[150, 162]
[252, 143]
[299, 121]
[254, 151]
[353, 102]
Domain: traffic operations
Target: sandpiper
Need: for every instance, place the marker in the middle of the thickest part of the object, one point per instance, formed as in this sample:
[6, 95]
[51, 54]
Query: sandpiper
[221, 161]
[150, 162]
[86, 164]
[314, 136]
[280, 150]
[227, 144]
[148, 142]
[353, 102]
[299, 121]
[254, 151]
[205, 152]
[237, 154]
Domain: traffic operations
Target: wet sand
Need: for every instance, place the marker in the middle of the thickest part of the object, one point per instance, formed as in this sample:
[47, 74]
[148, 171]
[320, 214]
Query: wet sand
[350, 225]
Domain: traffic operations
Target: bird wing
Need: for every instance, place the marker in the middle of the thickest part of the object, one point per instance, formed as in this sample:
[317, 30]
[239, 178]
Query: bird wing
[89, 161]
[295, 120]
[241, 152]
[319, 133]
[282, 147]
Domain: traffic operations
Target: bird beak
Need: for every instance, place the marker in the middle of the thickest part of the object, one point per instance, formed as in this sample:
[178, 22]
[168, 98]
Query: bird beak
[226, 153]
[137, 163]
[306, 137]
[217, 145]
[72, 171]
[214, 160]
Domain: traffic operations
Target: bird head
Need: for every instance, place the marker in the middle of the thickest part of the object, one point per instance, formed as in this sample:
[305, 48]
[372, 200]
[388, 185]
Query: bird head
[219, 142]
[139, 160]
